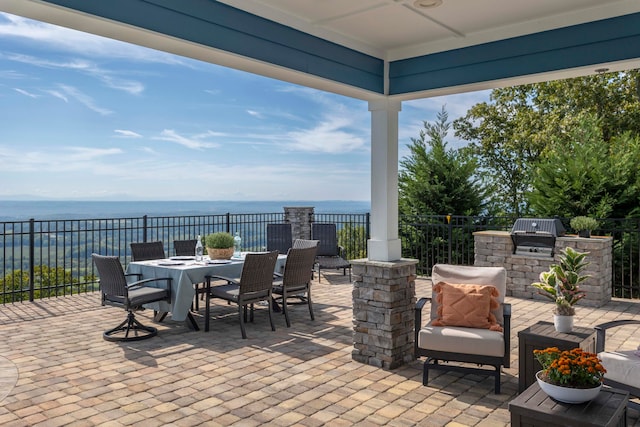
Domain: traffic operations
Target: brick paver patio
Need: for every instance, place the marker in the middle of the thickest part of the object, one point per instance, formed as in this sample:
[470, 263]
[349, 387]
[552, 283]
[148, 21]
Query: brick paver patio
[56, 370]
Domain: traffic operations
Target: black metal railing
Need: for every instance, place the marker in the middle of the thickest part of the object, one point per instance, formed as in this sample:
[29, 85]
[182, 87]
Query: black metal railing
[47, 258]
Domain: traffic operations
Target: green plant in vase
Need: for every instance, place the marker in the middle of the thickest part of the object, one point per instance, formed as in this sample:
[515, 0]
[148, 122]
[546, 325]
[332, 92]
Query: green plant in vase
[561, 284]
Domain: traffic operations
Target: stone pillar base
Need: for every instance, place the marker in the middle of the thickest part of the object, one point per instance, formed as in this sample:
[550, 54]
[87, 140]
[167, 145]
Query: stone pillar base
[384, 299]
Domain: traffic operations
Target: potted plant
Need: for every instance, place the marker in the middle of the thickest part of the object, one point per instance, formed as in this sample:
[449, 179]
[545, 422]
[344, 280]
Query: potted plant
[561, 285]
[219, 245]
[583, 225]
[570, 376]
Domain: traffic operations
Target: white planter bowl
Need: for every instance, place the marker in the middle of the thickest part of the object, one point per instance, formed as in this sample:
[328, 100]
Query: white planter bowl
[566, 394]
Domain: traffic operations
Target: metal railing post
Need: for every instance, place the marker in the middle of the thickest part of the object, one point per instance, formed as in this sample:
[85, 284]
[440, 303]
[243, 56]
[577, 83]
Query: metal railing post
[228, 217]
[144, 228]
[32, 261]
[450, 237]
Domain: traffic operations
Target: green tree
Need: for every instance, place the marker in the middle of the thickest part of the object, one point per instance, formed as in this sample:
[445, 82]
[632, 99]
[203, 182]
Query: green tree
[435, 180]
[581, 174]
[353, 239]
[510, 134]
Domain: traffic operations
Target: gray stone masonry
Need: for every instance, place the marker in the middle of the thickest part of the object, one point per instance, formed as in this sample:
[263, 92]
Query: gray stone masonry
[300, 219]
[384, 298]
[495, 248]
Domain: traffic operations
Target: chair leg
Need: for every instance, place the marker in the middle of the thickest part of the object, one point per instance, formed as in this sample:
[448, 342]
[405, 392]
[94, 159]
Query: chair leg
[425, 373]
[273, 326]
[242, 313]
[129, 325]
[284, 308]
[309, 303]
[207, 305]
[497, 379]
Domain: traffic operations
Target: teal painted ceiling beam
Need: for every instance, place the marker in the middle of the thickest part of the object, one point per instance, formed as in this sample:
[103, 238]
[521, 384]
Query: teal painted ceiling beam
[222, 27]
[610, 40]
[227, 29]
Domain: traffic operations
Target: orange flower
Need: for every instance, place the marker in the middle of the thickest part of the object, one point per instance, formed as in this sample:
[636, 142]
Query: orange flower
[571, 368]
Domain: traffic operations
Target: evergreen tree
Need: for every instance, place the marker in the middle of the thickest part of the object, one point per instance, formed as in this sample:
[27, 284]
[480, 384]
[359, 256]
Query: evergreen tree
[581, 174]
[435, 180]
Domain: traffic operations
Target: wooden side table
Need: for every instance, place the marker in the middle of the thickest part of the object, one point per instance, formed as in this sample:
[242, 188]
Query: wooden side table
[543, 335]
[535, 408]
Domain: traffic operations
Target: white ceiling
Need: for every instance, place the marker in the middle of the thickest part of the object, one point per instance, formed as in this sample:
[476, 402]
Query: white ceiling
[396, 29]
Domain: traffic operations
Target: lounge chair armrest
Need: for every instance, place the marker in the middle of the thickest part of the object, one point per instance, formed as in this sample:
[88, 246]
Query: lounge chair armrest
[418, 323]
[277, 276]
[601, 331]
[138, 275]
[506, 327]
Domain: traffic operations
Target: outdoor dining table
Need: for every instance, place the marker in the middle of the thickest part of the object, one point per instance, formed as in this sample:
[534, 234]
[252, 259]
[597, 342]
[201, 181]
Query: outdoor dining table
[185, 272]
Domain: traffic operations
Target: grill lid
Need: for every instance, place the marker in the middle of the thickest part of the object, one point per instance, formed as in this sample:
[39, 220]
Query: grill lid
[541, 226]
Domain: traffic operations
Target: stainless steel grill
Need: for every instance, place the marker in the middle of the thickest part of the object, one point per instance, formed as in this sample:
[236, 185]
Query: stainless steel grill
[536, 233]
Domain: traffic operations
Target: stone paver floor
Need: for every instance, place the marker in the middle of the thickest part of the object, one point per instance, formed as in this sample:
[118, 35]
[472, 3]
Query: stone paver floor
[56, 370]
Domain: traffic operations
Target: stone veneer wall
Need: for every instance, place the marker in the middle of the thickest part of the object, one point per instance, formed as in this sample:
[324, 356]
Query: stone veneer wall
[300, 220]
[495, 248]
[384, 298]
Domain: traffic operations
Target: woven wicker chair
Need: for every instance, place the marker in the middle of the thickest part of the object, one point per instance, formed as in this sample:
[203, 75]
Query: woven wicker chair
[185, 247]
[296, 279]
[330, 255]
[131, 296]
[147, 250]
[255, 285]
[279, 237]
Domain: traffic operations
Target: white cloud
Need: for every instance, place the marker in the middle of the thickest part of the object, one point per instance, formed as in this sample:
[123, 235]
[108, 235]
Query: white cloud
[64, 39]
[57, 94]
[25, 93]
[127, 134]
[330, 136]
[255, 114]
[84, 99]
[107, 77]
[194, 143]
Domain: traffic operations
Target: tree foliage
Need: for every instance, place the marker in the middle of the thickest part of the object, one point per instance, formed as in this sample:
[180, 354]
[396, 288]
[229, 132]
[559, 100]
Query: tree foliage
[436, 180]
[521, 125]
[581, 174]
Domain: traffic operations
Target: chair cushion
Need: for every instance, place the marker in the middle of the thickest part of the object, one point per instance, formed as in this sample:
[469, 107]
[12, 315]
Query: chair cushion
[139, 295]
[622, 366]
[466, 305]
[461, 340]
[496, 276]
[227, 292]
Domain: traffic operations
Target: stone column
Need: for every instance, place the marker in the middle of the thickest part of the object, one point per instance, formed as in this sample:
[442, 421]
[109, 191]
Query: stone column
[300, 218]
[384, 299]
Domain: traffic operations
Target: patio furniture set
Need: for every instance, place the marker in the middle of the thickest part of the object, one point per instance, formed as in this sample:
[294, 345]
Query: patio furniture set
[469, 323]
[174, 285]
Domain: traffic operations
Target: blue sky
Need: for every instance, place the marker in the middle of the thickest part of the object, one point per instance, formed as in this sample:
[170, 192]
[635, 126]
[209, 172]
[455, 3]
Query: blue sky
[85, 117]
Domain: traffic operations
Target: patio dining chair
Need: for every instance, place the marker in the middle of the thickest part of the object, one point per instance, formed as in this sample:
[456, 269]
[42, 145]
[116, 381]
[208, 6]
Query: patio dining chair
[623, 366]
[296, 279]
[330, 255]
[131, 296]
[469, 321]
[144, 251]
[185, 247]
[279, 237]
[255, 285]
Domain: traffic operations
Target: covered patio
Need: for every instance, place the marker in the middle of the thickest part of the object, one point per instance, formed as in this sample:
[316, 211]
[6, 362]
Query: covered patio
[57, 370]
